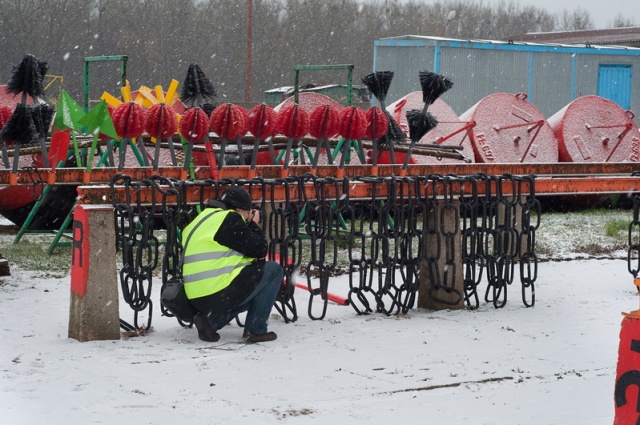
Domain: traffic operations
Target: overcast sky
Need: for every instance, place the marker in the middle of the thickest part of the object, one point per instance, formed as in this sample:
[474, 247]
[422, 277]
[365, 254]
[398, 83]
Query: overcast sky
[602, 11]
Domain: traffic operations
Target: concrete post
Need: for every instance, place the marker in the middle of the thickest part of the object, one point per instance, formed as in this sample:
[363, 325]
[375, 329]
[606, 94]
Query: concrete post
[93, 312]
[452, 300]
[516, 212]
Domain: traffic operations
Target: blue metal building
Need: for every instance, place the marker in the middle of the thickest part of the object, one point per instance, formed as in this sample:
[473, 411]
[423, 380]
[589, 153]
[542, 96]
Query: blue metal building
[552, 75]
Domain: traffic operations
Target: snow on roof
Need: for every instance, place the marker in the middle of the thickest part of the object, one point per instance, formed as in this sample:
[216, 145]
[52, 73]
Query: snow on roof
[507, 42]
[282, 89]
[620, 36]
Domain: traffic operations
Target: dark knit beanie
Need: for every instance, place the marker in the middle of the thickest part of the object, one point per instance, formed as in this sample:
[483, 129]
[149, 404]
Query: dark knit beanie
[236, 197]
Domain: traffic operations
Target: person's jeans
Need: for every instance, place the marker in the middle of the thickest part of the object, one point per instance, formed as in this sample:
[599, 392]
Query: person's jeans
[257, 305]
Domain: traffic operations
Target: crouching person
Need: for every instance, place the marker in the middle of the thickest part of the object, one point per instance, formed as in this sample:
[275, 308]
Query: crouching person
[224, 269]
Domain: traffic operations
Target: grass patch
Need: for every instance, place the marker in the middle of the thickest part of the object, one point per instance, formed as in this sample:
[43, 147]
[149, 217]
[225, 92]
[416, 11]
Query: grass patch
[598, 232]
[614, 227]
[31, 254]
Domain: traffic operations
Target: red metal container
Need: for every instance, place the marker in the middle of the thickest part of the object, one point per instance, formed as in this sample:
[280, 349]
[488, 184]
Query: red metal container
[508, 129]
[309, 101]
[450, 131]
[595, 129]
[9, 99]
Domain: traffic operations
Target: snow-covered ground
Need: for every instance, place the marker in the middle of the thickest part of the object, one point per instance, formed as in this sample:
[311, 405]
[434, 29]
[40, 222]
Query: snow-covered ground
[554, 363]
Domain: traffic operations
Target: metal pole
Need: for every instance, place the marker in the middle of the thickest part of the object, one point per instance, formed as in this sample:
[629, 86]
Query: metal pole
[123, 73]
[247, 91]
[86, 86]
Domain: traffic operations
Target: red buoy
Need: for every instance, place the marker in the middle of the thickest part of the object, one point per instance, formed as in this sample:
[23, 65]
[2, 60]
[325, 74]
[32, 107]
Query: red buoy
[5, 114]
[509, 129]
[309, 101]
[595, 129]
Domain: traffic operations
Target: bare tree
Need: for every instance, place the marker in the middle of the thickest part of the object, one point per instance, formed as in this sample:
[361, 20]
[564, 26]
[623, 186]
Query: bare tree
[578, 19]
[162, 37]
[621, 21]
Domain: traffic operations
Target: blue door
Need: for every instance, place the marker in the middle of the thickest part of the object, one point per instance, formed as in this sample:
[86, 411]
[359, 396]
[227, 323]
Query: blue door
[614, 83]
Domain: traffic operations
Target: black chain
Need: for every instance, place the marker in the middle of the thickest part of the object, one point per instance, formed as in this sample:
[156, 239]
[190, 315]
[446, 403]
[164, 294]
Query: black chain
[318, 219]
[443, 226]
[409, 231]
[284, 241]
[529, 205]
[139, 248]
[471, 212]
[172, 220]
[371, 239]
[633, 253]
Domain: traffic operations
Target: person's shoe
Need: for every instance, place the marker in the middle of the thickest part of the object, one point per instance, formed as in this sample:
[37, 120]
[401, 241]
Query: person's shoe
[269, 336]
[205, 332]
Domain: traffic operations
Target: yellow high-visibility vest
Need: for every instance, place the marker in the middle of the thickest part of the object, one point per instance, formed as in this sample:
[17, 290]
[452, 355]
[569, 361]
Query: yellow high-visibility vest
[208, 266]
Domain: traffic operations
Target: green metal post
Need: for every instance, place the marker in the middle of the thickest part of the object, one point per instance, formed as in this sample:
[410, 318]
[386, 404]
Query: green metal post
[31, 215]
[85, 97]
[34, 210]
[61, 231]
[123, 73]
[349, 84]
[297, 69]
[296, 85]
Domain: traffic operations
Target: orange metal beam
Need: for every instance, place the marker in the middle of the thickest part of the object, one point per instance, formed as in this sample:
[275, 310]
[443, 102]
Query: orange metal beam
[103, 175]
[544, 185]
[551, 179]
[587, 185]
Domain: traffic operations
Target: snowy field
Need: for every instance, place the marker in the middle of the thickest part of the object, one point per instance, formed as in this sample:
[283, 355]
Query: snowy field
[554, 363]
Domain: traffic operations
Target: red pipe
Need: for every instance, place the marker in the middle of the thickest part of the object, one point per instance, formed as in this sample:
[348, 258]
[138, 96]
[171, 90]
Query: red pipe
[331, 297]
[213, 166]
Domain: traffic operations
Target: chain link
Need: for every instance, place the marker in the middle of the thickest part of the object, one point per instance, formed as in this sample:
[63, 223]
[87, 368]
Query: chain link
[443, 226]
[139, 249]
[529, 222]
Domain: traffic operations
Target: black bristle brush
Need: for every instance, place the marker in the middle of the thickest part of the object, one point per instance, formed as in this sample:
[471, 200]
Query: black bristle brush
[42, 116]
[208, 108]
[20, 129]
[420, 123]
[394, 135]
[378, 84]
[433, 86]
[27, 78]
[196, 87]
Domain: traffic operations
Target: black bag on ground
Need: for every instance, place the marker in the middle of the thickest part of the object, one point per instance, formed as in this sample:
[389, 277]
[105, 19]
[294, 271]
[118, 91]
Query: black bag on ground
[173, 295]
[175, 300]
